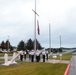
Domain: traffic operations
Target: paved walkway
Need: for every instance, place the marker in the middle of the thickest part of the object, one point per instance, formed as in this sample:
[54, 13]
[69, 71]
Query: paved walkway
[49, 60]
[58, 61]
[72, 70]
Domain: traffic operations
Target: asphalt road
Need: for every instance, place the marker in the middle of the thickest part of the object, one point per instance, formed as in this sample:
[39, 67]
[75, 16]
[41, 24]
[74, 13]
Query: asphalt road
[72, 70]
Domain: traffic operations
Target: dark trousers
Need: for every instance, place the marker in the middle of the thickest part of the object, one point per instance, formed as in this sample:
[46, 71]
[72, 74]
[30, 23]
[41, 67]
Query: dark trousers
[32, 58]
[37, 58]
[47, 57]
[43, 58]
[25, 56]
[21, 57]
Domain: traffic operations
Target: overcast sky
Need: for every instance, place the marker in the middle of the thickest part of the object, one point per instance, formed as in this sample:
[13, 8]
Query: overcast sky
[17, 21]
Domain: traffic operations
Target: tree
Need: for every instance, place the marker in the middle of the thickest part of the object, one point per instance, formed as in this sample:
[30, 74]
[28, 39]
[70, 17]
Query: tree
[11, 48]
[2, 45]
[7, 45]
[29, 44]
[60, 49]
[21, 45]
[38, 46]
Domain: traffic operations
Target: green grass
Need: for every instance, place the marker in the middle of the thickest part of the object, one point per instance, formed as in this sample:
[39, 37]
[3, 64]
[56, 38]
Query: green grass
[67, 57]
[39, 68]
[33, 69]
[64, 57]
[2, 54]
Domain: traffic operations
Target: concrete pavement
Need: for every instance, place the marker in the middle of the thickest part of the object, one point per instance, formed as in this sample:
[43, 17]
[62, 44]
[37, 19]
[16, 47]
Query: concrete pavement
[49, 60]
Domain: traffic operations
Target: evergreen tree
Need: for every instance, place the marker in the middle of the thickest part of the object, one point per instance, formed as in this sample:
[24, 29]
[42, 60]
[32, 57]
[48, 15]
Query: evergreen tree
[29, 44]
[21, 45]
[2, 45]
[7, 45]
[38, 46]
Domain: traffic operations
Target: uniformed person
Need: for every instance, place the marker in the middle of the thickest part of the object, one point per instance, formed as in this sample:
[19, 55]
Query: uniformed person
[21, 55]
[43, 55]
[47, 55]
[29, 55]
[24, 55]
[32, 55]
[37, 56]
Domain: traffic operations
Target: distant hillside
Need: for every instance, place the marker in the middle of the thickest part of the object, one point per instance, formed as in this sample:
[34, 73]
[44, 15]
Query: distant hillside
[67, 48]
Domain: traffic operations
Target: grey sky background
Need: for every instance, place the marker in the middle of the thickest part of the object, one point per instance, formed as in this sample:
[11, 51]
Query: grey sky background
[17, 21]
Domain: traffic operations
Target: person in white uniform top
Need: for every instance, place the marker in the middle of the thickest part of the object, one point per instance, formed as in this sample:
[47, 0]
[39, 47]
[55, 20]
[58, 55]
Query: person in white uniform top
[32, 55]
[47, 55]
[21, 55]
[24, 55]
[43, 54]
[29, 55]
[37, 55]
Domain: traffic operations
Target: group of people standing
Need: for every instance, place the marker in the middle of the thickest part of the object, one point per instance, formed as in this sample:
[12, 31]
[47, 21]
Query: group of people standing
[34, 55]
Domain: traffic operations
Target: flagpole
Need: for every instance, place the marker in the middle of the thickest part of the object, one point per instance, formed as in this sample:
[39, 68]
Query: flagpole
[8, 42]
[60, 40]
[50, 37]
[35, 26]
[35, 29]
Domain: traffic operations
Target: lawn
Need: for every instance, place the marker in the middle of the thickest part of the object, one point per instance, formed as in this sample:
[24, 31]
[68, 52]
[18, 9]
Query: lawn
[29, 68]
[2, 54]
[64, 57]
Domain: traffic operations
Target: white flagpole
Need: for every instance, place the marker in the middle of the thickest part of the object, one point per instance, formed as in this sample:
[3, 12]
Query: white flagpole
[60, 40]
[35, 26]
[35, 29]
[8, 42]
[50, 37]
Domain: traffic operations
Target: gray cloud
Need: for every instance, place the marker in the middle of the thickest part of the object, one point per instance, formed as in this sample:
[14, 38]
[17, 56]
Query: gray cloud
[17, 21]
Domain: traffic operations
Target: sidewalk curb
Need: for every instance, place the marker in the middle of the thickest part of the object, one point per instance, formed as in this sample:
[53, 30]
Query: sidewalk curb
[67, 69]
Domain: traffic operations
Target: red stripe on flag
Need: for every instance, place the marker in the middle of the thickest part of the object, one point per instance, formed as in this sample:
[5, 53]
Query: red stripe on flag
[38, 27]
